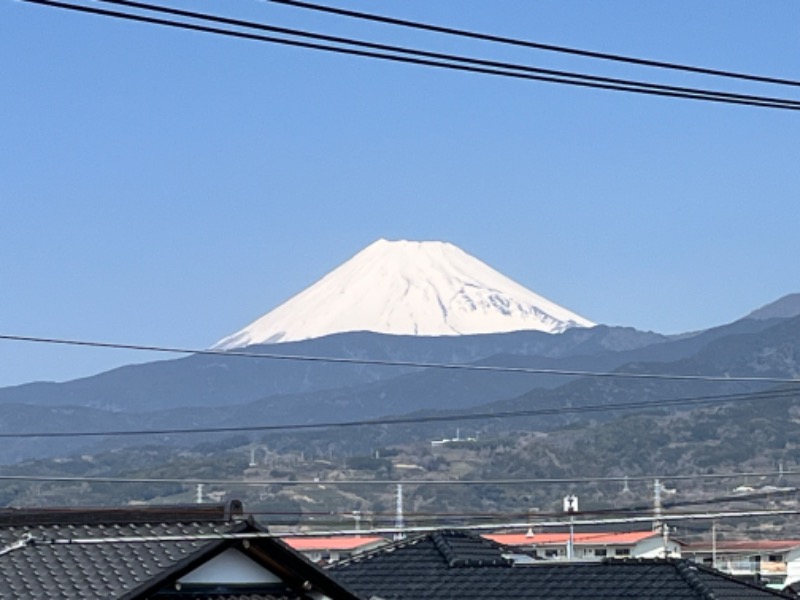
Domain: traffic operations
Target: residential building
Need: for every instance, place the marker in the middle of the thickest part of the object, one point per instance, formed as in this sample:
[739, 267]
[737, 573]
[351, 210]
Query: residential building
[454, 564]
[591, 545]
[773, 562]
[329, 549]
[197, 552]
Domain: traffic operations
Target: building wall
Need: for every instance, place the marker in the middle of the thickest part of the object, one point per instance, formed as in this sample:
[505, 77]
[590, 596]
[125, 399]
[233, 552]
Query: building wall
[654, 548]
[649, 548]
[792, 566]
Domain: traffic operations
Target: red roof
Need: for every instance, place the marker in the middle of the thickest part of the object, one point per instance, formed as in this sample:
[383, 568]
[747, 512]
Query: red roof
[586, 539]
[744, 546]
[340, 542]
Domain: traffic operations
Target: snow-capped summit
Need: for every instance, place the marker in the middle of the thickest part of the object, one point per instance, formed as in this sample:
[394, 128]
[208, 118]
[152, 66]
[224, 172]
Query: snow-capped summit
[408, 288]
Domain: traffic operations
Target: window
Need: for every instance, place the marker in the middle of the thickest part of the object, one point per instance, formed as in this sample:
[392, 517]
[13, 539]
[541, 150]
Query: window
[775, 558]
[623, 552]
[551, 553]
[600, 552]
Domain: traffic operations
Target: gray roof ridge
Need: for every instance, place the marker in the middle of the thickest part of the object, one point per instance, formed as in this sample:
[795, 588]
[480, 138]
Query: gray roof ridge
[688, 573]
[221, 513]
[453, 558]
[379, 551]
[706, 569]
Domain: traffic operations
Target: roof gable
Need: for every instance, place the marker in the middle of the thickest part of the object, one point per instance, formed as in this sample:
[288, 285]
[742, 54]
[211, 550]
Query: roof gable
[230, 567]
[439, 550]
[134, 554]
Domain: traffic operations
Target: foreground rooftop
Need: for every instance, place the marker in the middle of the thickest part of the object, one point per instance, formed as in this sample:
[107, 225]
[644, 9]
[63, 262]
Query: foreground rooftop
[455, 564]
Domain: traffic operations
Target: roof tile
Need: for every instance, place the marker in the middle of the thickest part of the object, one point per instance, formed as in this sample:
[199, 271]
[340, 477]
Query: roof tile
[423, 568]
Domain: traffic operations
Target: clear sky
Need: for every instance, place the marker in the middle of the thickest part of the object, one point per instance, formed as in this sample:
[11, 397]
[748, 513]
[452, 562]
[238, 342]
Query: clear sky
[168, 187]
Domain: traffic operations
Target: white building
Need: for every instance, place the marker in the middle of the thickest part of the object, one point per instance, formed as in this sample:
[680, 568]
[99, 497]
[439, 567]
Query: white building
[591, 545]
[328, 549]
[774, 562]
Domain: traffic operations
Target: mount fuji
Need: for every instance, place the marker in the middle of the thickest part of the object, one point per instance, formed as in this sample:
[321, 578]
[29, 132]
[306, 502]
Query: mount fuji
[408, 288]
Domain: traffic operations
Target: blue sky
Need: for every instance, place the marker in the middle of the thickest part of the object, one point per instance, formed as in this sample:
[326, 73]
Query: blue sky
[166, 187]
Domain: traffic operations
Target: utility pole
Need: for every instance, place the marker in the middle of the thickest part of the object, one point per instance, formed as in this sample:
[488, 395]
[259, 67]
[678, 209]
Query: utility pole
[656, 505]
[571, 507]
[399, 521]
[714, 543]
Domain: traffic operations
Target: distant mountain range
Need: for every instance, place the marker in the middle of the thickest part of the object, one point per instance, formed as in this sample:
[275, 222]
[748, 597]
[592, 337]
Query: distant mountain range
[203, 390]
[458, 294]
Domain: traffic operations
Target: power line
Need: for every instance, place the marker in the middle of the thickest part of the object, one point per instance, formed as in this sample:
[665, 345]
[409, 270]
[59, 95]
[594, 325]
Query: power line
[134, 539]
[439, 55]
[537, 45]
[624, 510]
[475, 416]
[398, 363]
[335, 517]
[386, 482]
[763, 102]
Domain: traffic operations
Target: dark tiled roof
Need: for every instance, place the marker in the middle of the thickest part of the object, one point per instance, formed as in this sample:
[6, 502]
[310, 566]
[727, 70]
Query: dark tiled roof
[467, 567]
[465, 550]
[239, 597]
[33, 566]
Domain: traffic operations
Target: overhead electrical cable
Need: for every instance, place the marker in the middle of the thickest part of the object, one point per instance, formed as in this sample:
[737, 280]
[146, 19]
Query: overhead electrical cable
[437, 55]
[623, 510]
[722, 97]
[577, 522]
[398, 363]
[448, 418]
[537, 45]
[388, 482]
[334, 517]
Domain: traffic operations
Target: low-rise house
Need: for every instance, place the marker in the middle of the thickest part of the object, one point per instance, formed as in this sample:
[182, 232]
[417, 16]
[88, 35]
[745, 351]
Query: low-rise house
[591, 545]
[454, 564]
[197, 552]
[774, 562]
[331, 549]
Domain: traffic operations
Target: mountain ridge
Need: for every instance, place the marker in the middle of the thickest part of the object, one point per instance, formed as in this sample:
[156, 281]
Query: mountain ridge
[205, 391]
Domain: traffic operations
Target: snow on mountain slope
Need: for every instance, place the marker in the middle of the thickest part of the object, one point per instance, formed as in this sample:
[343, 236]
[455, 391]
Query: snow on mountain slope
[408, 288]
